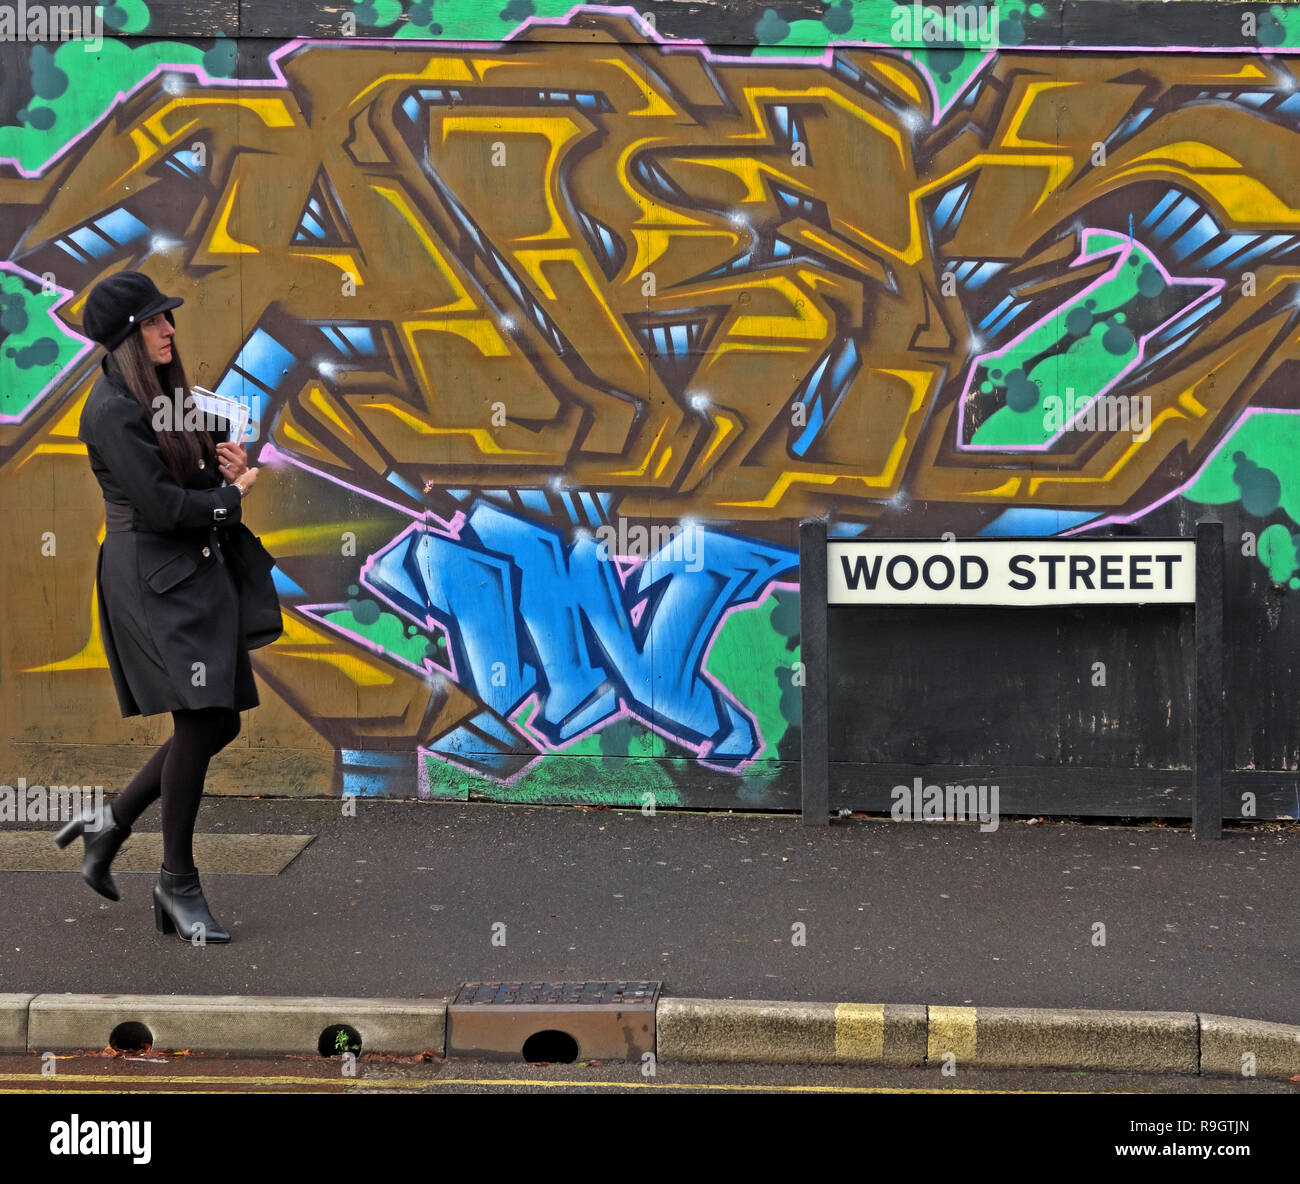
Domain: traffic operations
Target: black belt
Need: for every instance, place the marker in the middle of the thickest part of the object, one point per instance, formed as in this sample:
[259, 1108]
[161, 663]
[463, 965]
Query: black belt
[121, 516]
[118, 516]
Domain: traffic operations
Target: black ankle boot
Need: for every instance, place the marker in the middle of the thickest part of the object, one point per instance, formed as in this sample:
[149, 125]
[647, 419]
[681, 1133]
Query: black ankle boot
[103, 835]
[179, 906]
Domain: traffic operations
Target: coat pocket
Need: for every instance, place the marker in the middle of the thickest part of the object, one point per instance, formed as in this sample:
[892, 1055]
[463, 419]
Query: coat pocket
[172, 572]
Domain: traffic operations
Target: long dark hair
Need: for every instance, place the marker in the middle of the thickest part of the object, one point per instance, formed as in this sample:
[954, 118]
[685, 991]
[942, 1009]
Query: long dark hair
[181, 449]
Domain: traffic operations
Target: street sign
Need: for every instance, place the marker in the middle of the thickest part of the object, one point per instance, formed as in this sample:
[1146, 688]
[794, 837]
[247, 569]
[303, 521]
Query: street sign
[1017, 572]
[851, 645]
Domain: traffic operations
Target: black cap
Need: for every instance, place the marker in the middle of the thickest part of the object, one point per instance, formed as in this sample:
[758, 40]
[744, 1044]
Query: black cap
[118, 305]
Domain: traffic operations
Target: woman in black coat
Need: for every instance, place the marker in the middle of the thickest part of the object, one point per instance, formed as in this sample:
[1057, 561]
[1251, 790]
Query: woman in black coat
[168, 606]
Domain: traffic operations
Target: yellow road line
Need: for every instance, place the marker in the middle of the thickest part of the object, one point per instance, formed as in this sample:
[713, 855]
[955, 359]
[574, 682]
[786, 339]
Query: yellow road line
[76, 1093]
[196, 1079]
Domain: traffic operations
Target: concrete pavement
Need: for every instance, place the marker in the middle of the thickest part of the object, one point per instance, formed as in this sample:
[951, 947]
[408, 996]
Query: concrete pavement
[963, 930]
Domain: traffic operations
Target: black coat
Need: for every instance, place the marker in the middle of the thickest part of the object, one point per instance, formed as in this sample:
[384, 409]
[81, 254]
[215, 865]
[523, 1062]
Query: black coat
[168, 609]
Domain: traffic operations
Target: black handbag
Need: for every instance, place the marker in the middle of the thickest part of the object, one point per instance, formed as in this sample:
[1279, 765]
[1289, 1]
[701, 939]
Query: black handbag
[250, 564]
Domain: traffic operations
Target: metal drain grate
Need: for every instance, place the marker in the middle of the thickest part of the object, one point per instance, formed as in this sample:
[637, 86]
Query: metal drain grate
[610, 1021]
[536, 994]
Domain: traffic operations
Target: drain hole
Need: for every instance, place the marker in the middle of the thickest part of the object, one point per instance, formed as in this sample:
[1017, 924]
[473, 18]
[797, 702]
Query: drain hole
[338, 1039]
[131, 1037]
[555, 1047]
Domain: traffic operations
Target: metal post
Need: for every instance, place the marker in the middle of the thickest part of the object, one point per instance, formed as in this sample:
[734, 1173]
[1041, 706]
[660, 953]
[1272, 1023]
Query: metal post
[1207, 778]
[815, 744]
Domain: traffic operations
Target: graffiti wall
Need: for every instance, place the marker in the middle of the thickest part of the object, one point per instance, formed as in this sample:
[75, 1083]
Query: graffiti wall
[554, 323]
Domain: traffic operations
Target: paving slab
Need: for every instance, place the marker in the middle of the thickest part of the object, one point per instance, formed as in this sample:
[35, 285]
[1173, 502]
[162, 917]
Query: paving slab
[239, 855]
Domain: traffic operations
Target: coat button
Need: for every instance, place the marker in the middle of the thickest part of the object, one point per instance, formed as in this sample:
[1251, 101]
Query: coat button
[202, 464]
[206, 552]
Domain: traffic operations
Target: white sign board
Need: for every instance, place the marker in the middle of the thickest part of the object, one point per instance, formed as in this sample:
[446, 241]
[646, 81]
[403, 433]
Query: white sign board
[1015, 572]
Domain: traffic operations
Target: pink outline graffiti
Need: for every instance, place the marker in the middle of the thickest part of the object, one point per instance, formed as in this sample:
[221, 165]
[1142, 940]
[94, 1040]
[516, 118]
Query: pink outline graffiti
[426, 520]
[429, 669]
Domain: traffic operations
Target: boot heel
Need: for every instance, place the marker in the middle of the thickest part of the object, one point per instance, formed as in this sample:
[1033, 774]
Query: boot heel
[179, 903]
[74, 828]
[161, 921]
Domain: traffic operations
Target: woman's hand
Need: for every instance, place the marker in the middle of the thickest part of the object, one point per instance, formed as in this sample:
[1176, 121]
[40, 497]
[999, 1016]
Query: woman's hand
[245, 480]
[232, 460]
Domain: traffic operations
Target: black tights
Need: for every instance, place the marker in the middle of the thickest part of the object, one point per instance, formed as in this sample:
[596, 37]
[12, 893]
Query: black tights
[175, 773]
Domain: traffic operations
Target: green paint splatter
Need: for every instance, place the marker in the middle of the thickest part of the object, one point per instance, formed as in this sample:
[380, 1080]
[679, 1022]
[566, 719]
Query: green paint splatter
[51, 123]
[34, 348]
[1259, 466]
[772, 29]
[560, 779]
[1279, 551]
[751, 658]
[838, 18]
[1261, 489]
[376, 14]
[420, 22]
[385, 630]
[1080, 347]
[220, 61]
[949, 67]
[127, 17]
[1270, 442]
[444, 782]
[474, 20]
